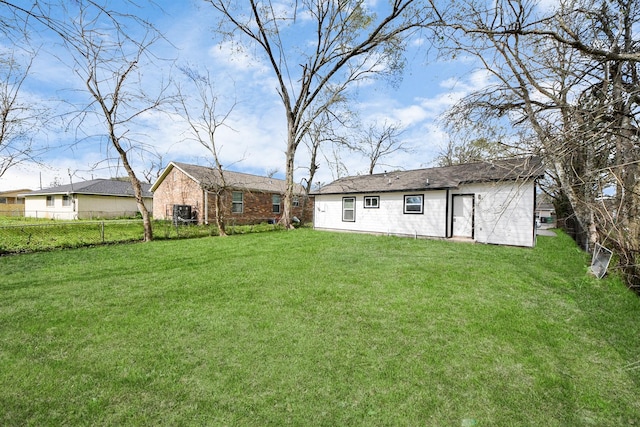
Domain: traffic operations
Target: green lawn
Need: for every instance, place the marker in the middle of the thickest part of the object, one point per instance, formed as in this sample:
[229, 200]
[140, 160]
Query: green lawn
[311, 328]
[20, 235]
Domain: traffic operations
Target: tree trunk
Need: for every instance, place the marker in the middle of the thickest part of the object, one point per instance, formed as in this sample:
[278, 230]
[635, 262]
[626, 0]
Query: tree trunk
[286, 217]
[137, 190]
[222, 231]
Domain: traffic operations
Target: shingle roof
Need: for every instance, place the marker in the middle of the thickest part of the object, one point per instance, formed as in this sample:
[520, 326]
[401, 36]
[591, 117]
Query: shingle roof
[438, 178]
[14, 193]
[210, 177]
[103, 187]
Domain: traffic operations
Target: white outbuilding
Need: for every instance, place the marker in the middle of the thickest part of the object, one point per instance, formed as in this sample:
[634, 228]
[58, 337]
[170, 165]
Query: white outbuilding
[487, 202]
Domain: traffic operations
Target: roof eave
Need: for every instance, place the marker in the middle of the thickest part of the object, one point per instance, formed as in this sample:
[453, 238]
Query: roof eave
[395, 190]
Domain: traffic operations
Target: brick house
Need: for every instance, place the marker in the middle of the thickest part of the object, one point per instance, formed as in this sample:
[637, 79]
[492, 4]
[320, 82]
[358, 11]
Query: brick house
[187, 192]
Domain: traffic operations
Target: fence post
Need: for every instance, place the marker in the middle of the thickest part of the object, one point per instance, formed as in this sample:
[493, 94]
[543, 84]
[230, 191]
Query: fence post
[102, 231]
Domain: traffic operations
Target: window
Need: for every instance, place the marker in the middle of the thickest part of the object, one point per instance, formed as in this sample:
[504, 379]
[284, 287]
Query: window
[413, 204]
[349, 209]
[275, 201]
[237, 205]
[296, 201]
[372, 202]
[51, 201]
[66, 200]
[3, 200]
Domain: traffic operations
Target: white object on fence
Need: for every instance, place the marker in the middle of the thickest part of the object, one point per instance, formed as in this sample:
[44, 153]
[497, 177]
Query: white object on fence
[600, 261]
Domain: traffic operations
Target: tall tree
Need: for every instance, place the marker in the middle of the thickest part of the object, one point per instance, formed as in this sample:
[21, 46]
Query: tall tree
[313, 46]
[108, 47]
[109, 57]
[204, 120]
[570, 77]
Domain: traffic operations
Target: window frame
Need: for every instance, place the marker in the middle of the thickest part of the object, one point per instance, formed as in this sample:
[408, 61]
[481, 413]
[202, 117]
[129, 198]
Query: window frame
[295, 202]
[406, 205]
[50, 201]
[275, 205]
[370, 198]
[352, 209]
[235, 202]
[66, 200]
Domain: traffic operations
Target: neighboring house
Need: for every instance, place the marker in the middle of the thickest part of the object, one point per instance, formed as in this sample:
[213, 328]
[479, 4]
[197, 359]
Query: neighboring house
[545, 211]
[97, 198]
[12, 202]
[487, 202]
[187, 192]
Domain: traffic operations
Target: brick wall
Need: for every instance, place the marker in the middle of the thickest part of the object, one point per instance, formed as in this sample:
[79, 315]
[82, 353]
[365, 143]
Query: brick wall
[257, 207]
[178, 189]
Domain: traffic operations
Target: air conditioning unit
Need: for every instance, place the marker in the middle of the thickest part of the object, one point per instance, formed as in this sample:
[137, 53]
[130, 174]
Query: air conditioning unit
[181, 214]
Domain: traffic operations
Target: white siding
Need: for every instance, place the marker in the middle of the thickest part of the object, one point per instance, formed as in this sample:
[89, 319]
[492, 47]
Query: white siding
[36, 207]
[83, 207]
[389, 218]
[108, 206]
[503, 213]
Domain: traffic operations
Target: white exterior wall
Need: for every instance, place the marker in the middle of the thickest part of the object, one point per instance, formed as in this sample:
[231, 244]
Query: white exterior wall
[82, 207]
[503, 213]
[36, 207]
[388, 218]
[101, 206]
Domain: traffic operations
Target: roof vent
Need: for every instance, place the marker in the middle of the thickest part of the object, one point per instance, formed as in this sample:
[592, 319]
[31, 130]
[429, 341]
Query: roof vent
[427, 181]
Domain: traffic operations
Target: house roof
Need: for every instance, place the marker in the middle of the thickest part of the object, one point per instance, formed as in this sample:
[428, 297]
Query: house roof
[210, 177]
[438, 178]
[14, 193]
[101, 187]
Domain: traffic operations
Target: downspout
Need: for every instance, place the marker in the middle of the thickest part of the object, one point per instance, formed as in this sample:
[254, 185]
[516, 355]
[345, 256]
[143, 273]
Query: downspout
[535, 205]
[446, 217]
[205, 196]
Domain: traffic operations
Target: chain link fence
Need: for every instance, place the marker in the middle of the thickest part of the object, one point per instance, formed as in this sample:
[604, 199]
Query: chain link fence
[37, 237]
[23, 236]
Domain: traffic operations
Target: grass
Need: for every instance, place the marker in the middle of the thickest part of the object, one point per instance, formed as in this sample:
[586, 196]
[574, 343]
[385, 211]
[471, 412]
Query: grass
[313, 328]
[20, 235]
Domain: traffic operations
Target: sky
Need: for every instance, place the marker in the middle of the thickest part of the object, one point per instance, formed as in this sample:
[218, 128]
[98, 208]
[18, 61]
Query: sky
[253, 139]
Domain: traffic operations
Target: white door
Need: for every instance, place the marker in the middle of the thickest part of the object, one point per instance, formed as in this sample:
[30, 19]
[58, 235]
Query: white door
[463, 216]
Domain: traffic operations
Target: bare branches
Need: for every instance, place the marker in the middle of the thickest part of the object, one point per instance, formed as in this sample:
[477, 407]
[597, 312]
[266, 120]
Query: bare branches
[346, 43]
[204, 121]
[570, 81]
[19, 119]
[110, 63]
[379, 141]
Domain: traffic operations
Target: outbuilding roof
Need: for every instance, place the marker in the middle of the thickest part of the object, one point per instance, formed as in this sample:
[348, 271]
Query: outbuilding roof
[102, 187]
[438, 178]
[210, 178]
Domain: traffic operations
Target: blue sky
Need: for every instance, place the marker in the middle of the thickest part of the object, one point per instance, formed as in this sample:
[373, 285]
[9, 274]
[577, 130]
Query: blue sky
[255, 142]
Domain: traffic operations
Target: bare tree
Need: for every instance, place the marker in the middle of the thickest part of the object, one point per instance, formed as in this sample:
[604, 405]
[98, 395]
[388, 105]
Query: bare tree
[110, 62]
[339, 44]
[377, 142]
[20, 120]
[325, 130]
[570, 77]
[478, 149]
[109, 48]
[204, 122]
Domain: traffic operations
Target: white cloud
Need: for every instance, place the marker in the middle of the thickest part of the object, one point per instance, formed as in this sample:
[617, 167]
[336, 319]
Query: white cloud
[258, 140]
